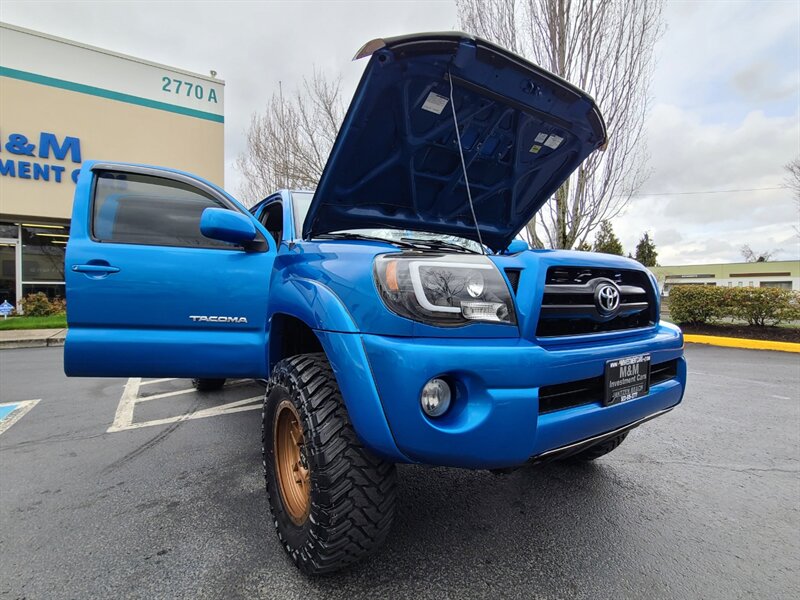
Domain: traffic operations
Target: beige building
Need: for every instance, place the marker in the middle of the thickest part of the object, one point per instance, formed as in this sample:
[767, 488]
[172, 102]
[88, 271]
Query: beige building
[61, 103]
[780, 273]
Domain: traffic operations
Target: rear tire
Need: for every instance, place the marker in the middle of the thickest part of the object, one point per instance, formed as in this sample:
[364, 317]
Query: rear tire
[208, 385]
[601, 449]
[350, 502]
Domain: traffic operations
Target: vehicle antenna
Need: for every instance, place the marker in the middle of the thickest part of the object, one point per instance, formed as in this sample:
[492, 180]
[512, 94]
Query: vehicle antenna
[464, 164]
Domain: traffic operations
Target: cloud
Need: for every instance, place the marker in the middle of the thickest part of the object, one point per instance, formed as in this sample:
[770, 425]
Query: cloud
[706, 43]
[689, 154]
[725, 117]
[761, 82]
[725, 94]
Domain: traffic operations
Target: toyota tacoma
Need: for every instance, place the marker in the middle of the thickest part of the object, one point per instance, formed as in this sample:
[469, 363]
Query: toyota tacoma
[393, 313]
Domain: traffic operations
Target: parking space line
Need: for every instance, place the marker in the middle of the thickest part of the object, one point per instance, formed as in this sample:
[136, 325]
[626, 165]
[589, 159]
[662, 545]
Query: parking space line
[183, 391]
[166, 395]
[123, 418]
[124, 414]
[18, 410]
[151, 381]
[233, 407]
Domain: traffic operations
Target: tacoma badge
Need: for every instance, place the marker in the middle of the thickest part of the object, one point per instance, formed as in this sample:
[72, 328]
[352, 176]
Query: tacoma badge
[213, 319]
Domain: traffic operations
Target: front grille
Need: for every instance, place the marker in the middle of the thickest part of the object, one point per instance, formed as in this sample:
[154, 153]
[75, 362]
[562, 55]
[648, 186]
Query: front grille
[587, 391]
[569, 308]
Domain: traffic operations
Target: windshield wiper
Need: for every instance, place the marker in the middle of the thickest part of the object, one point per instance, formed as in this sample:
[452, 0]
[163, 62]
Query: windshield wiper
[367, 238]
[403, 242]
[438, 245]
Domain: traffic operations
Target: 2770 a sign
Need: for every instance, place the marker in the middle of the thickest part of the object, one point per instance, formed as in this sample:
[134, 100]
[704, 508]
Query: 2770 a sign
[188, 89]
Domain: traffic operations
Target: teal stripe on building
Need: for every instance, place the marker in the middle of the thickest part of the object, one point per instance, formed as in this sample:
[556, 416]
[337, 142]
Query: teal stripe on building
[103, 93]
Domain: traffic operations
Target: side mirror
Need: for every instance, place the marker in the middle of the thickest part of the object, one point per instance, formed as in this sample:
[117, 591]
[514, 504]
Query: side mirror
[227, 226]
[517, 246]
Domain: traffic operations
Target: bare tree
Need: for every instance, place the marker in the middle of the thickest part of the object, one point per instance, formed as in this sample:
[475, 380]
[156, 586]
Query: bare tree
[752, 256]
[288, 144]
[793, 183]
[793, 177]
[606, 48]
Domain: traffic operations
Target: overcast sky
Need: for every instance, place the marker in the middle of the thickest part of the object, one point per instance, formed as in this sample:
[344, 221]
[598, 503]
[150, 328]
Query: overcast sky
[725, 114]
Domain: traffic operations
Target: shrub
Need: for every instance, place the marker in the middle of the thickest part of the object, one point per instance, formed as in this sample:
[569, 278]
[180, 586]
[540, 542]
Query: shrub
[761, 306]
[698, 304]
[39, 305]
[792, 311]
[59, 306]
[695, 304]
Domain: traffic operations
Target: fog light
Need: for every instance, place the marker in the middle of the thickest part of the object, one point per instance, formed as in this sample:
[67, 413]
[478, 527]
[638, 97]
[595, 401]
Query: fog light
[435, 397]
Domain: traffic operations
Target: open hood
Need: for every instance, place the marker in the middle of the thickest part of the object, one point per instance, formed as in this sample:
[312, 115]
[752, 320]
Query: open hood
[396, 164]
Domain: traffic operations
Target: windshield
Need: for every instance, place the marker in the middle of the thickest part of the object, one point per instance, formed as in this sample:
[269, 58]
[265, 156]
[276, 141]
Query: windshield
[301, 201]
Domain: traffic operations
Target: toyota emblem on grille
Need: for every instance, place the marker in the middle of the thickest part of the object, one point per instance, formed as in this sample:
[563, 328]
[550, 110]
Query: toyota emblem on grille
[606, 298]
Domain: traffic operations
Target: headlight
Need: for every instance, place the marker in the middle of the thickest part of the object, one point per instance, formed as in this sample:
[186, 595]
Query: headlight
[446, 290]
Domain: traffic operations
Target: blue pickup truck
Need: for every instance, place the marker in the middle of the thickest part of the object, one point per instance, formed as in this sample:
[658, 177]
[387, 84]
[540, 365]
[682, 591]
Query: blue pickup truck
[393, 313]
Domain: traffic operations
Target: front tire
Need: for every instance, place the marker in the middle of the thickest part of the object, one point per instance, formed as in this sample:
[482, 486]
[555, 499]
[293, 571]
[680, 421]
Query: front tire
[208, 385]
[332, 500]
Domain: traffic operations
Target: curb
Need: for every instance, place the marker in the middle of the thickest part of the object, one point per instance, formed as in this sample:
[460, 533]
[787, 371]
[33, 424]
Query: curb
[744, 343]
[42, 342]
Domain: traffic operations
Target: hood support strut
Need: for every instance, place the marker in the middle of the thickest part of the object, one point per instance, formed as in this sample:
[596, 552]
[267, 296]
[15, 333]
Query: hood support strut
[464, 164]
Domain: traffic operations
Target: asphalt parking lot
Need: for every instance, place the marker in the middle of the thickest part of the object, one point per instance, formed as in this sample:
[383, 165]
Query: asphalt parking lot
[701, 503]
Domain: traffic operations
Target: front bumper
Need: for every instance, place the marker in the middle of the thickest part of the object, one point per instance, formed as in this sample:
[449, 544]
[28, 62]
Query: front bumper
[494, 420]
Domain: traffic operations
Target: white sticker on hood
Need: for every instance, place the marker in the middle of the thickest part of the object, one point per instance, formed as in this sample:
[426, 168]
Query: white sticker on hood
[540, 138]
[435, 103]
[553, 141]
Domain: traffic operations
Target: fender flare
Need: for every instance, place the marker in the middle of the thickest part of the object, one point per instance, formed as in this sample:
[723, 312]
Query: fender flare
[312, 302]
[320, 309]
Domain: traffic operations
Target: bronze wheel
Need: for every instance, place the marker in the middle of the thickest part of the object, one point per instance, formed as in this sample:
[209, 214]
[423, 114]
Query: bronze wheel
[332, 501]
[291, 463]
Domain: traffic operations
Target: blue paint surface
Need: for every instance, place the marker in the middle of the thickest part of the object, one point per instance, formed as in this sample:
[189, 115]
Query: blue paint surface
[379, 173]
[7, 410]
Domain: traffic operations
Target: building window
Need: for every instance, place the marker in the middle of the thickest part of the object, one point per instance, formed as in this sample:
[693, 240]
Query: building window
[784, 285]
[52, 290]
[740, 284]
[43, 248]
[9, 230]
[8, 272]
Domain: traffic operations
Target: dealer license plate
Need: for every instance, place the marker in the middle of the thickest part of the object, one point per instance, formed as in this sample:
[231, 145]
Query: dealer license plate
[627, 378]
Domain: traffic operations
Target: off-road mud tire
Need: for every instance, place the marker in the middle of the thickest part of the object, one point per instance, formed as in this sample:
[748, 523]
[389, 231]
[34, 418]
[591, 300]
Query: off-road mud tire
[352, 492]
[207, 385]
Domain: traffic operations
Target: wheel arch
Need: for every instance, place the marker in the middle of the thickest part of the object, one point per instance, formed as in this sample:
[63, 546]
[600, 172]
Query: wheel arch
[313, 313]
[299, 308]
[290, 335]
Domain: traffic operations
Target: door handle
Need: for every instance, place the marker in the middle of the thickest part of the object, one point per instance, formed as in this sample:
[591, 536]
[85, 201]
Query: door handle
[95, 269]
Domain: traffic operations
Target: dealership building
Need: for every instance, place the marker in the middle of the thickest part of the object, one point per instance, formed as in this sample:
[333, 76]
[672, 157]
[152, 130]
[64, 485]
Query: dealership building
[61, 103]
[779, 274]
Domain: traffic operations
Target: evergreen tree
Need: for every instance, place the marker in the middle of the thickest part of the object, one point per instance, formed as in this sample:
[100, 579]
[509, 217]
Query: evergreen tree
[584, 246]
[646, 251]
[606, 241]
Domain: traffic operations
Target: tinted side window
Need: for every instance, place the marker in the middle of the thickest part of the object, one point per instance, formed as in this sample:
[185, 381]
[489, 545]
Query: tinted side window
[272, 220]
[141, 209]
